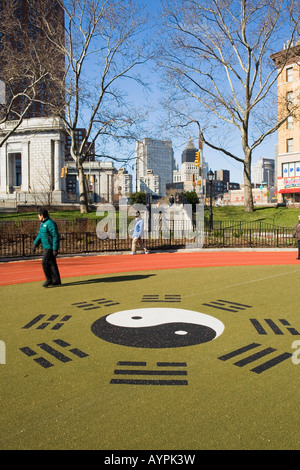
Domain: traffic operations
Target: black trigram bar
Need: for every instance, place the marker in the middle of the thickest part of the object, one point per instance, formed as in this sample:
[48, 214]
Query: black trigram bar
[53, 352]
[53, 317]
[61, 342]
[131, 363]
[92, 306]
[273, 326]
[28, 351]
[171, 364]
[148, 382]
[167, 298]
[227, 305]
[235, 303]
[44, 325]
[254, 357]
[260, 330]
[43, 362]
[34, 321]
[239, 351]
[172, 298]
[149, 372]
[78, 352]
[291, 330]
[271, 363]
[83, 305]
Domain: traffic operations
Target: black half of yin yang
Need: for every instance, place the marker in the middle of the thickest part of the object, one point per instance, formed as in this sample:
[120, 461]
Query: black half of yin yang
[167, 335]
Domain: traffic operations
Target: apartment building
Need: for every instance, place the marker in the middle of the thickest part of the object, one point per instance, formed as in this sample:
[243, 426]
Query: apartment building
[288, 155]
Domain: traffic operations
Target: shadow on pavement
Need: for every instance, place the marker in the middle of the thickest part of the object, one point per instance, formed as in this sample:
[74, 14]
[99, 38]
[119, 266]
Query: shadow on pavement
[133, 277]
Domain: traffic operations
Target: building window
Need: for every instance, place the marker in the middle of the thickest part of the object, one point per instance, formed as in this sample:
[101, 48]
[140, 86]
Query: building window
[289, 99]
[289, 122]
[289, 145]
[291, 169]
[289, 74]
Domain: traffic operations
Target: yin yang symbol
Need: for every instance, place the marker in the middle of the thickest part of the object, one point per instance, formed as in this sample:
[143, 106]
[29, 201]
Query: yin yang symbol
[157, 328]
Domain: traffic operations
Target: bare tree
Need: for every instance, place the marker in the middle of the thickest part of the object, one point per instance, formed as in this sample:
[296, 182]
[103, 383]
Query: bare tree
[27, 61]
[219, 71]
[102, 46]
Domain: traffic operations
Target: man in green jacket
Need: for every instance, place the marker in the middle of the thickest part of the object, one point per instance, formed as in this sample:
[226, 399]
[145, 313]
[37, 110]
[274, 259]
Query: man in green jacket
[48, 237]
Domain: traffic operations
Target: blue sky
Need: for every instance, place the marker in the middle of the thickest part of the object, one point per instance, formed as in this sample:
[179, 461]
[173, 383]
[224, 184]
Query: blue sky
[216, 160]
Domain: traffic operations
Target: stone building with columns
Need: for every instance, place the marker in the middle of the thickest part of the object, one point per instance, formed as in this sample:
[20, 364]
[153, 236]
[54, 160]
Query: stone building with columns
[31, 161]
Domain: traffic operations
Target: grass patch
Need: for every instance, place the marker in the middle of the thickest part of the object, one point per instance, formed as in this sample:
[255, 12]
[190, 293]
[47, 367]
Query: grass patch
[66, 215]
[283, 216]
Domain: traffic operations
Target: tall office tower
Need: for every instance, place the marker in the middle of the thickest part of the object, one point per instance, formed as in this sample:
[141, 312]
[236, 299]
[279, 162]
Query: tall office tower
[189, 173]
[288, 156]
[155, 155]
[264, 171]
[31, 68]
[222, 175]
[188, 155]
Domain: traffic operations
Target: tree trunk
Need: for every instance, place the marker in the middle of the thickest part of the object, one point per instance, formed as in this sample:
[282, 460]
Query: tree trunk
[248, 196]
[83, 198]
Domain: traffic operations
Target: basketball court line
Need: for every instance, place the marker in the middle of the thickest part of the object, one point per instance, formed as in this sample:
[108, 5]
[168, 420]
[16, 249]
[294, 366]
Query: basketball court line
[18, 272]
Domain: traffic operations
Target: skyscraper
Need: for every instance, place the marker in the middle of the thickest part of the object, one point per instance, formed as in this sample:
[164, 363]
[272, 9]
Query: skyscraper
[264, 171]
[188, 155]
[158, 156]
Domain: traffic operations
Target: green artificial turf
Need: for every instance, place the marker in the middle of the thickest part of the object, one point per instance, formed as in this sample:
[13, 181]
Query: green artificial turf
[73, 405]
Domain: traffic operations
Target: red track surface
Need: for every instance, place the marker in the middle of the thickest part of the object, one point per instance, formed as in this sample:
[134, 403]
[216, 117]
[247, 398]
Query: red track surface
[17, 272]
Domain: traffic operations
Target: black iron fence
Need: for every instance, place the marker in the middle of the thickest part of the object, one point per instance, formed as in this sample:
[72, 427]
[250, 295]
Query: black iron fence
[259, 237]
[20, 244]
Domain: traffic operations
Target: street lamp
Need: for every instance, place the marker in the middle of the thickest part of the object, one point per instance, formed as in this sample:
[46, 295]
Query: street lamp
[210, 176]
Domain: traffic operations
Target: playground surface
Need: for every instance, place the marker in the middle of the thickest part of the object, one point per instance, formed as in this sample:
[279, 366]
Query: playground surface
[166, 351]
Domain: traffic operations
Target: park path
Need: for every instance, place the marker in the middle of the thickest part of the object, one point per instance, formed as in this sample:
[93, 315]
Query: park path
[18, 272]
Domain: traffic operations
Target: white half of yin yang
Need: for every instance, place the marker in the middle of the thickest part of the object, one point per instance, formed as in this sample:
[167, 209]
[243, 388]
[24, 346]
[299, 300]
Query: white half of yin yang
[147, 317]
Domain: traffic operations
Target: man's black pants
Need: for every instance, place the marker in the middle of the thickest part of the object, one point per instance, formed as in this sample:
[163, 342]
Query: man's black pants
[50, 267]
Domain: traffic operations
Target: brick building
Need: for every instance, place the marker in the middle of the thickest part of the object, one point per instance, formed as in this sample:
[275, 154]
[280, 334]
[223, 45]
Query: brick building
[288, 156]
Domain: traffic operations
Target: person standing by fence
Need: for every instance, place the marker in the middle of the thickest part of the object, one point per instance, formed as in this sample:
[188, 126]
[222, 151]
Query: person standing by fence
[48, 237]
[297, 235]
